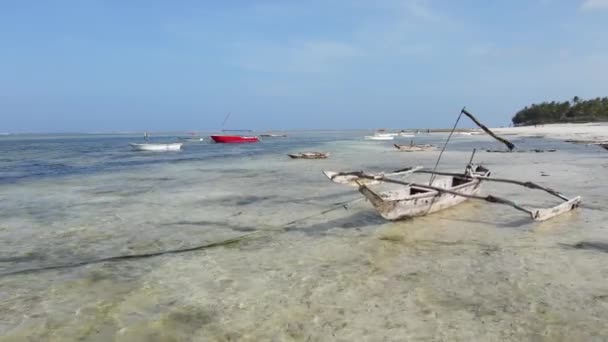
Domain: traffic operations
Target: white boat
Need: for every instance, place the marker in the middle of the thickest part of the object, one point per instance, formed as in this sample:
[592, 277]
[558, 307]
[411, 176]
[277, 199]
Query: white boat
[157, 147]
[380, 136]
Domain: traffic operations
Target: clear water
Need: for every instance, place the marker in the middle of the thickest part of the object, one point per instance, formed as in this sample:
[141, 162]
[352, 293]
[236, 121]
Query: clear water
[475, 272]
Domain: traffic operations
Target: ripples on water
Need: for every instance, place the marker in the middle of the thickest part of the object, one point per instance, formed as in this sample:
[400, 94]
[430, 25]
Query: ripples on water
[477, 271]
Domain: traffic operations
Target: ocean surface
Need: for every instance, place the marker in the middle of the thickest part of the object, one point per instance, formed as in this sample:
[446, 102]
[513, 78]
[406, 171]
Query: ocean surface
[475, 272]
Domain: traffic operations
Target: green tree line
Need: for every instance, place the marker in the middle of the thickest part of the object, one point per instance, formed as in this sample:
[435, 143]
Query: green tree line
[577, 110]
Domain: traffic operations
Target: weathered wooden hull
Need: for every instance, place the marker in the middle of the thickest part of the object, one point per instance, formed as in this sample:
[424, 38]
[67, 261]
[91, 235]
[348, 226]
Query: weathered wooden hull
[414, 148]
[422, 202]
[308, 155]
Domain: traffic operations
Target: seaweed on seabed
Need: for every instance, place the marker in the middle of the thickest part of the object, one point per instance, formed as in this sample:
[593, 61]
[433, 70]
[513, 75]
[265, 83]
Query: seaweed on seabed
[223, 243]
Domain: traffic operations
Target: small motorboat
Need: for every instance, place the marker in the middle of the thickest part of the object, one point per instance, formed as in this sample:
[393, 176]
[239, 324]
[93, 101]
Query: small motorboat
[380, 136]
[157, 147]
[309, 155]
[234, 139]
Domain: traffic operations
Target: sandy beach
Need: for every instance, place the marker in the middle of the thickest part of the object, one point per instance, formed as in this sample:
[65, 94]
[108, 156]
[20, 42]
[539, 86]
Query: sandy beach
[475, 272]
[597, 132]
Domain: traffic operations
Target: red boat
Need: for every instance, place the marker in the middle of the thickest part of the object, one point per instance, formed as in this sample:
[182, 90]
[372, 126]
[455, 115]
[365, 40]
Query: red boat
[233, 139]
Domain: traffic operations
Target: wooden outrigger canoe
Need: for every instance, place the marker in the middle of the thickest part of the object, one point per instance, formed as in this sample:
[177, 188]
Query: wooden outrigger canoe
[447, 190]
[414, 148]
[309, 155]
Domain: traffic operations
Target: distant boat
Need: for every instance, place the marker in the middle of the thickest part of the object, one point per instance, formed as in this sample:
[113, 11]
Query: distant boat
[309, 155]
[233, 139]
[414, 148]
[380, 136]
[190, 139]
[157, 147]
[193, 137]
[273, 135]
[604, 146]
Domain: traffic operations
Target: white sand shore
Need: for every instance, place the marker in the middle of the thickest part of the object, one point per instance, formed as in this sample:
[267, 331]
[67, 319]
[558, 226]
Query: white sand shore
[596, 132]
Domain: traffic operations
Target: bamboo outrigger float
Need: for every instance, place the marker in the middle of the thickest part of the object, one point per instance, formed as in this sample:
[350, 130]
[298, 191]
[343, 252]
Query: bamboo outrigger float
[444, 190]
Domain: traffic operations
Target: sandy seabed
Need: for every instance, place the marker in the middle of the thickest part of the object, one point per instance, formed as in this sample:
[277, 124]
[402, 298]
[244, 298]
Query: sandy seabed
[477, 272]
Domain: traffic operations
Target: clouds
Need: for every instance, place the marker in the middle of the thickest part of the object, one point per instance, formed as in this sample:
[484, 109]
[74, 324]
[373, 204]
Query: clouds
[297, 56]
[271, 57]
[364, 33]
[422, 9]
[590, 5]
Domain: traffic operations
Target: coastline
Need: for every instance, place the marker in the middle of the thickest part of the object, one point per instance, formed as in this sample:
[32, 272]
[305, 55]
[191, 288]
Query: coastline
[595, 132]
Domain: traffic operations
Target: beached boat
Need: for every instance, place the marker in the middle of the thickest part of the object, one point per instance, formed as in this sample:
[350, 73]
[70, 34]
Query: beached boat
[234, 139]
[380, 136]
[309, 155]
[416, 200]
[157, 147]
[444, 190]
[414, 148]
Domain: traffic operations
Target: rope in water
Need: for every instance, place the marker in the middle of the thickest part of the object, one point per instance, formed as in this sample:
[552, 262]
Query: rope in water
[181, 250]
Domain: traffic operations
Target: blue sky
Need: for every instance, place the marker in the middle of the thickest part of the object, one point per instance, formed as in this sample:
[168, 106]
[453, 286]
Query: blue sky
[94, 65]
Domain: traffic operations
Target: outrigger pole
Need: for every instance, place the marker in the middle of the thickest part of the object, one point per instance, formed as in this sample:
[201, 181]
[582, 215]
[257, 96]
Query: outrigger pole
[529, 185]
[509, 144]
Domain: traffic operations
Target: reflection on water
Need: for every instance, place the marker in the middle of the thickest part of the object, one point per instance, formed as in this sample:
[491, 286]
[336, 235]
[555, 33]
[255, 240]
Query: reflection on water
[474, 272]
